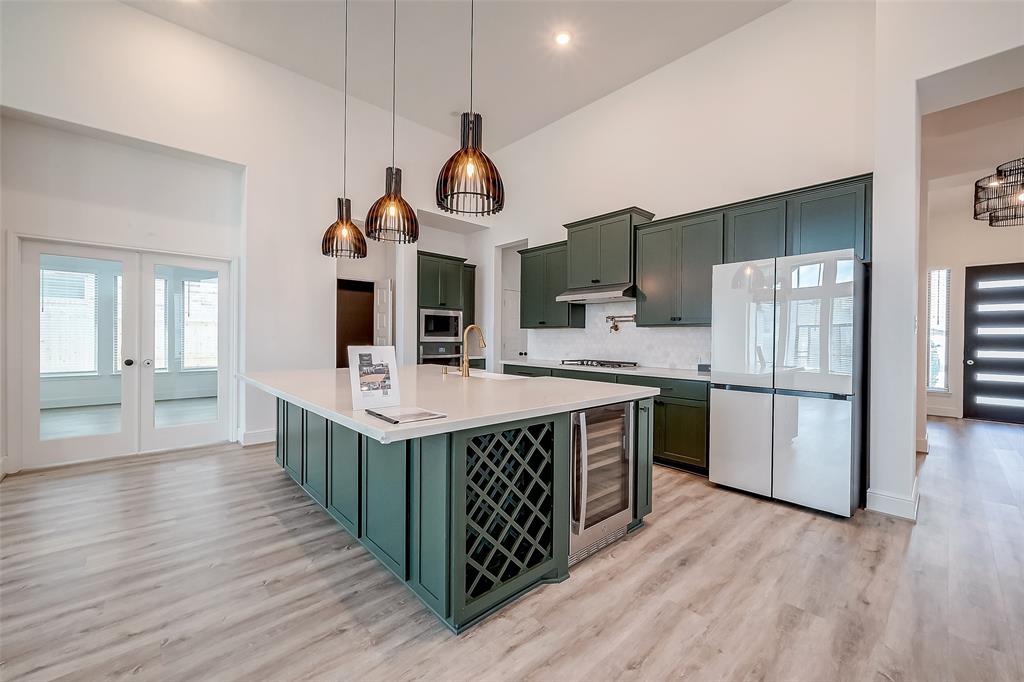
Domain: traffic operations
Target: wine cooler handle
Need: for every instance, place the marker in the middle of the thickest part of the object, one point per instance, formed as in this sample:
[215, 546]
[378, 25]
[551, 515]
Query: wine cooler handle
[584, 463]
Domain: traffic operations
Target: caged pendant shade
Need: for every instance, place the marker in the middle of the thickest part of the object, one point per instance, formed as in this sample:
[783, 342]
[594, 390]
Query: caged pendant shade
[391, 218]
[999, 198]
[342, 238]
[469, 182]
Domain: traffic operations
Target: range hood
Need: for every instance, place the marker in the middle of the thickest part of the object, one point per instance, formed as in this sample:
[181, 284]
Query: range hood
[613, 294]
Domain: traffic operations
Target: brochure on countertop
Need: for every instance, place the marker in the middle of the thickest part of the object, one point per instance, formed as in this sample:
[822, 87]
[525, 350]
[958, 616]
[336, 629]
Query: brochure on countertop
[404, 415]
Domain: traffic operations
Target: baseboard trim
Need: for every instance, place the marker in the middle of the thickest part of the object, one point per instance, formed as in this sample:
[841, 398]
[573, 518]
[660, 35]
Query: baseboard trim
[938, 411]
[922, 444]
[258, 437]
[894, 505]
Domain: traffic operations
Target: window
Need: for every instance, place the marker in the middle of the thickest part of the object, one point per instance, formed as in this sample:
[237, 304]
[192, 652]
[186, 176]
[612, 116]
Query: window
[807, 276]
[938, 330]
[159, 321]
[118, 307]
[68, 314]
[199, 324]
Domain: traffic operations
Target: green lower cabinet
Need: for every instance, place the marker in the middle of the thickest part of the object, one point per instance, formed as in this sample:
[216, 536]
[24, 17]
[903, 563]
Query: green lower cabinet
[293, 417]
[343, 492]
[385, 510]
[526, 371]
[429, 495]
[583, 375]
[314, 455]
[681, 431]
[644, 490]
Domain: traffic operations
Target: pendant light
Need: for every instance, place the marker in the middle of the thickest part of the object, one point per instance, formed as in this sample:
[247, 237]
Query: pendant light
[391, 218]
[342, 238]
[469, 182]
[999, 198]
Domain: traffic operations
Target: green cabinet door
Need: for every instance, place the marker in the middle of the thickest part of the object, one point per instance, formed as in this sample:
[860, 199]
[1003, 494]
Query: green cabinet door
[343, 492]
[700, 251]
[755, 231]
[428, 282]
[280, 440]
[526, 371]
[314, 469]
[429, 493]
[584, 256]
[533, 293]
[451, 285]
[827, 220]
[468, 295]
[681, 431]
[658, 275]
[644, 491]
[616, 249]
[556, 314]
[583, 375]
[293, 441]
[384, 503]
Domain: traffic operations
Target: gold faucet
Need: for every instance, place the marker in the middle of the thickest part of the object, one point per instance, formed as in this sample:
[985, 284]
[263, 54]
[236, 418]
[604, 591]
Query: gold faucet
[464, 365]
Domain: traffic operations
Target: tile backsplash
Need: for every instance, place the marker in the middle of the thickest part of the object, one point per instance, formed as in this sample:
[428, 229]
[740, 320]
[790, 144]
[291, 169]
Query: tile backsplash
[674, 347]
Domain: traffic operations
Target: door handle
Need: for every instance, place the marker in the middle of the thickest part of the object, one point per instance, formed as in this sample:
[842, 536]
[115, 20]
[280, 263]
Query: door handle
[147, 362]
[970, 362]
[128, 362]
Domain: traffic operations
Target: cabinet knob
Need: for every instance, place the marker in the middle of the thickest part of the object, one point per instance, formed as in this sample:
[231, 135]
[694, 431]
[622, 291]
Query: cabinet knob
[129, 362]
[542, 322]
[595, 281]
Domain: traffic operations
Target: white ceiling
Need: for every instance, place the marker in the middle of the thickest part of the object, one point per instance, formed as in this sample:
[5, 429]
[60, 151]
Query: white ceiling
[523, 81]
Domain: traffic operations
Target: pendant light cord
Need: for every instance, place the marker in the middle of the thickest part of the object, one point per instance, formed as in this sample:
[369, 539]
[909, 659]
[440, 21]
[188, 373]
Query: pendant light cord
[344, 125]
[394, 79]
[472, 24]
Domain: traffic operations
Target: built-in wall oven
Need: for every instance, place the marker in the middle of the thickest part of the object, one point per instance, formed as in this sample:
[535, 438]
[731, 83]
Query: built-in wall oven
[440, 325]
[601, 483]
[440, 353]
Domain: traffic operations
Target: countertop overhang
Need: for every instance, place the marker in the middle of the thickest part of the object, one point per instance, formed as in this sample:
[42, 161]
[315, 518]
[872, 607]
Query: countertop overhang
[480, 400]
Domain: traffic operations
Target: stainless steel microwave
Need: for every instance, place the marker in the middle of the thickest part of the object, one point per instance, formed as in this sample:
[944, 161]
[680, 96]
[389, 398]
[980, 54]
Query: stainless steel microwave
[440, 325]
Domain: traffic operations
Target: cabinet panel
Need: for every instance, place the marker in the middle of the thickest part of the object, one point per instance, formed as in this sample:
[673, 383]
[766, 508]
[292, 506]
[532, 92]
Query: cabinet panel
[658, 275]
[343, 493]
[428, 541]
[314, 469]
[681, 431]
[700, 251]
[616, 248]
[280, 440]
[644, 457]
[755, 231]
[385, 503]
[293, 441]
[583, 375]
[428, 282]
[827, 220]
[584, 256]
[451, 285]
[670, 388]
[524, 371]
[533, 294]
[556, 314]
[468, 295]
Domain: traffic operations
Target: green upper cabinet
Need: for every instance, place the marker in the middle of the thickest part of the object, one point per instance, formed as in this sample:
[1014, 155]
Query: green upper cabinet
[755, 231]
[673, 270]
[828, 219]
[439, 281]
[468, 295]
[543, 271]
[600, 249]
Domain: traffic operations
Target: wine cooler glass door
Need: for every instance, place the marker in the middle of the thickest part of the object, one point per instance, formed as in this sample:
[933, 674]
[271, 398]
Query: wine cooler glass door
[602, 459]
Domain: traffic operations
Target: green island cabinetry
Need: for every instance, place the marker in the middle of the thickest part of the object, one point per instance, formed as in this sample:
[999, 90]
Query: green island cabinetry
[600, 249]
[543, 274]
[439, 281]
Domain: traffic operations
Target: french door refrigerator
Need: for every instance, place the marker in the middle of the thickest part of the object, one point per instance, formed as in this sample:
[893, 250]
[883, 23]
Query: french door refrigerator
[786, 378]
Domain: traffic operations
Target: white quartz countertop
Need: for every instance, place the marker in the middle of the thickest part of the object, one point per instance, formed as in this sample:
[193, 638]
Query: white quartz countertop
[661, 372]
[482, 399]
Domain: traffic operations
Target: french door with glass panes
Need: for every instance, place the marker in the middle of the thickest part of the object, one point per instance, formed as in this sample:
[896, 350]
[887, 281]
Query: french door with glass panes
[122, 352]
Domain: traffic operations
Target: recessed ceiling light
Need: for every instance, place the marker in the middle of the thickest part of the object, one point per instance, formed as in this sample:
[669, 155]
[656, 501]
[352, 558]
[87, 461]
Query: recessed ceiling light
[562, 38]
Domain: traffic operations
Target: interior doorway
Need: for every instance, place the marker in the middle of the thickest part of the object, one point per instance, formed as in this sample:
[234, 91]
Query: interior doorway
[354, 318]
[994, 343]
[514, 340]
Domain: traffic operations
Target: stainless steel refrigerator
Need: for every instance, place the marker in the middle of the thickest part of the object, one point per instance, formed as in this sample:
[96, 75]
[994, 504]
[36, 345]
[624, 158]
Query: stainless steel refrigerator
[787, 370]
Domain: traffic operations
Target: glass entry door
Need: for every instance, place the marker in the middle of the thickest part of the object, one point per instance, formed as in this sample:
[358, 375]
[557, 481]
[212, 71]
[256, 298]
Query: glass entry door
[122, 352]
[184, 342]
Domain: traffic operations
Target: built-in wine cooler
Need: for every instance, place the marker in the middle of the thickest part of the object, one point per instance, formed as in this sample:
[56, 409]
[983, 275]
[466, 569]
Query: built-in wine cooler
[602, 452]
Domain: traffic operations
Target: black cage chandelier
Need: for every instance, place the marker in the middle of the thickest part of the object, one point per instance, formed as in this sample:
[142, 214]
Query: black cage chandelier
[469, 181]
[999, 198]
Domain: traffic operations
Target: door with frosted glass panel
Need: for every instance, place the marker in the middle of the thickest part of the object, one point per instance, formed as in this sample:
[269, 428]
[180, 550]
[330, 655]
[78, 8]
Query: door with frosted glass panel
[184, 342]
[994, 342]
[79, 364]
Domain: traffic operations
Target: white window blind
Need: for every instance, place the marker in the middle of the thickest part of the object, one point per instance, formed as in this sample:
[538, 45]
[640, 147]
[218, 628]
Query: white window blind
[160, 320]
[68, 314]
[118, 324]
[938, 330]
[198, 330]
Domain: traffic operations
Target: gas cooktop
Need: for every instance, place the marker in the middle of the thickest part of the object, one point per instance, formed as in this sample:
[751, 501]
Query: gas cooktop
[599, 363]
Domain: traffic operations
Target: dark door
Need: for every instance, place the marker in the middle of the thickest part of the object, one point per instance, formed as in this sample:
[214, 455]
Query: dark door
[584, 256]
[701, 251]
[451, 285]
[429, 282]
[556, 278]
[354, 318]
[657, 275]
[827, 220]
[616, 259]
[755, 231]
[532, 306]
[994, 343]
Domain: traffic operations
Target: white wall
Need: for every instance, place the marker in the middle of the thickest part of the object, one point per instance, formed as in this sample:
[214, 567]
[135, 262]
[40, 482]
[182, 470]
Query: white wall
[114, 68]
[783, 102]
[913, 40]
[956, 241]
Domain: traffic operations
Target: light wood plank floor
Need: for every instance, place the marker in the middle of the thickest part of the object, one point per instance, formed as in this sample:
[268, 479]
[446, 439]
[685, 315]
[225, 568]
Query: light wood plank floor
[211, 564]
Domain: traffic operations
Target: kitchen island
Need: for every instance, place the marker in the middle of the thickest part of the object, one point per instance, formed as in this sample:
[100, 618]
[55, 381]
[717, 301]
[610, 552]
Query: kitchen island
[470, 511]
